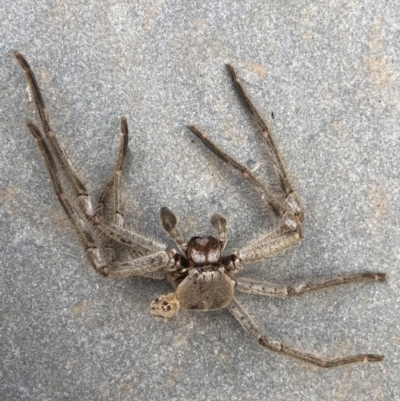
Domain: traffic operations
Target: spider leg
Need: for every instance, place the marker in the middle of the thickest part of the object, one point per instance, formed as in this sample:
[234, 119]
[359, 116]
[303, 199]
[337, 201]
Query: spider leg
[114, 185]
[286, 235]
[262, 190]
[114, 216]
[77, 185]
[269, 244]
[271, 289]
[285, 190]
[115, 232]
[113, 193]
[288, 232]
[129, 238]
[84, 231]
[279, 196]
[142, 266]
[251, 328]
[86, 223]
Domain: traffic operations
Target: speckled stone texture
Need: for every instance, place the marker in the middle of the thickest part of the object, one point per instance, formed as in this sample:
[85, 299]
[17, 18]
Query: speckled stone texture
[329, 72]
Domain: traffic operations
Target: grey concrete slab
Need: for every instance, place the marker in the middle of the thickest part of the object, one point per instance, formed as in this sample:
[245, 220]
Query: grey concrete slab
[329, 71]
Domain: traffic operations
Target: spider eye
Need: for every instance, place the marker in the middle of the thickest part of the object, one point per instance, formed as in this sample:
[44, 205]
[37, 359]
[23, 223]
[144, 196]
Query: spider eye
[165, 306]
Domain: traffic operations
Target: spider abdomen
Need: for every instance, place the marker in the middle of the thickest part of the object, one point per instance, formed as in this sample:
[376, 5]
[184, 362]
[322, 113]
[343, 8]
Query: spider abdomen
[205, 290]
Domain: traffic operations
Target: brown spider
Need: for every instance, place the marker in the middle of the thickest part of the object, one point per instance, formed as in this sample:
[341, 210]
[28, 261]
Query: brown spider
[203, 279]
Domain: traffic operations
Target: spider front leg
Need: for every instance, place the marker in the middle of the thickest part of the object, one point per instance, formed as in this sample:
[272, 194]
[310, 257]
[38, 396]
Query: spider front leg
[288, 232]
[113, 189]
[157, 257]
[280, 197]
[73, 180]
[81, 227]
[251, 328]
[112, 193]
[79, 210]
[286, 193]
[142, 266]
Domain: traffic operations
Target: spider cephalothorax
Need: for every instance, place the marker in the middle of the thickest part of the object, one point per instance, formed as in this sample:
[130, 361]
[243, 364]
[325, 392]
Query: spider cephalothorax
[202, 278]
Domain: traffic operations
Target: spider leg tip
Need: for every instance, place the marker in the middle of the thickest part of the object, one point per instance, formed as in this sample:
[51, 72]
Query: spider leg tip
[380, 277]
[20, 59]
[374, 358]
[192, 128]
[232, 71]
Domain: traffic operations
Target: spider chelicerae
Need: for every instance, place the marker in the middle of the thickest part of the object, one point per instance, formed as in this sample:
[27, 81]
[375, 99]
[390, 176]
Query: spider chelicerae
[203, 278]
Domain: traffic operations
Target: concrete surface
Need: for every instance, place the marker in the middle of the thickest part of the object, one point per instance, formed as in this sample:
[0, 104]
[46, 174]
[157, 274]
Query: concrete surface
[329, 71]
